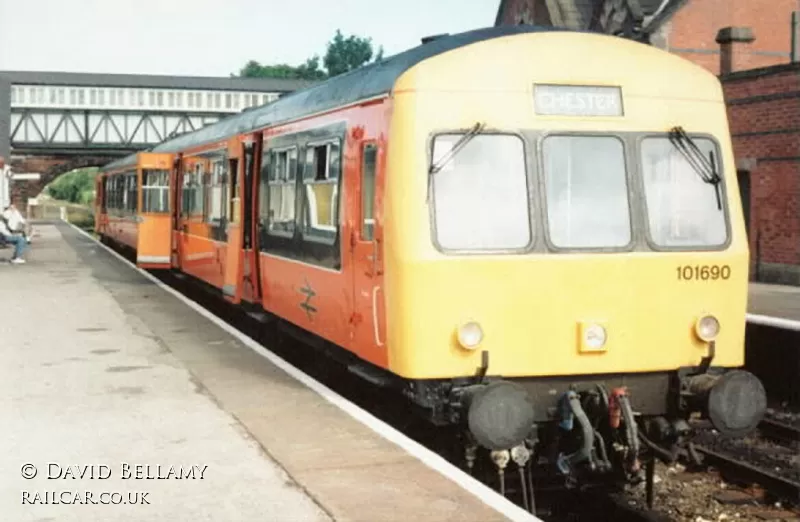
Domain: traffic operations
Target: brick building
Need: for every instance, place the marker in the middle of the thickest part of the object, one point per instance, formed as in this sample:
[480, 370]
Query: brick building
[748, 43]
[684, 27]
[764, 118]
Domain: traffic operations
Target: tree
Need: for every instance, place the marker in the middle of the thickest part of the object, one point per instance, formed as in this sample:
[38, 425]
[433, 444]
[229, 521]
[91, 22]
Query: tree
[76, 186]
[346, 54]
[342, 55]
[307, 71]
[310, 70]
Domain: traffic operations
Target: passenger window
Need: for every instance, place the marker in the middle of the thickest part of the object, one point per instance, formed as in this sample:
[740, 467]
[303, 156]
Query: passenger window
[281, 183]
[587, 193]
[321, 192]
[368, 168]
[155, 191]
[480, 194]
[187, 194]
[199, 189]
[217, 190]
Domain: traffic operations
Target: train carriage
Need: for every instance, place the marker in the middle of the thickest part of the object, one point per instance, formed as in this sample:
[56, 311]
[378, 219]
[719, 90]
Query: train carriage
[535, 234]
[132, 206]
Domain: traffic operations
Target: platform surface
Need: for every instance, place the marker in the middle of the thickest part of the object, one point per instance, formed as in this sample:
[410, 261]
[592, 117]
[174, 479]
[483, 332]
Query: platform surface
[775, 301]
[102, 367]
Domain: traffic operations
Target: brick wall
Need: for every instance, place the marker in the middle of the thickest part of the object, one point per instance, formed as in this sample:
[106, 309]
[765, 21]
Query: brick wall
[764, 114]
[50, 167]
[692, 30]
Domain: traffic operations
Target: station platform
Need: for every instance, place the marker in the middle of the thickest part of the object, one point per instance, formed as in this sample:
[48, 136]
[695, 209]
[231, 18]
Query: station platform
[777, 302]
[122, 401]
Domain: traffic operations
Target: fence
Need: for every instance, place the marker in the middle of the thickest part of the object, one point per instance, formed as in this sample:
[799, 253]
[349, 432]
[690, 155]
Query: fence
[50, 210]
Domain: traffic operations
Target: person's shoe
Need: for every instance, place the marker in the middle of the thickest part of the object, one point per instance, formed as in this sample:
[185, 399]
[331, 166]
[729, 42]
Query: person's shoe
[18, 261]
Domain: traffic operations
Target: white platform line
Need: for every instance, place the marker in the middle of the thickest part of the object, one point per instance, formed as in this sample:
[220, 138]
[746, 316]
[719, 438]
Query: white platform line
[778, 322]
[426, 456]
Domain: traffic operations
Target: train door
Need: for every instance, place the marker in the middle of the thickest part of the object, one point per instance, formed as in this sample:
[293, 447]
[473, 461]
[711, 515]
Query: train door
[100, 204]
[231, 287]
[177, 209]
[367, 259]
[250, 189]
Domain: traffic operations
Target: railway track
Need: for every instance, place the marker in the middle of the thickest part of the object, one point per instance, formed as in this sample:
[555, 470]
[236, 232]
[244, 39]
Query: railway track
[770, 458]
[734, 469]
[780, 431]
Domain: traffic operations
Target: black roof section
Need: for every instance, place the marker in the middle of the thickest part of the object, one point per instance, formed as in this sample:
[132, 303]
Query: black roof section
[155, 82]
[648, 7]
[668, 11]
[127, 161]
[363, 83]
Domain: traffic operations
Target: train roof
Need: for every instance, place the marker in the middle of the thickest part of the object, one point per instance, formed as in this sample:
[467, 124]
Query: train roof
[360, 84]
[127, 161]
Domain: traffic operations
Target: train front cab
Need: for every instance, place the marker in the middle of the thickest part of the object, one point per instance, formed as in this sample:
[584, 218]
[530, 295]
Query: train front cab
[568, 241]
[153, 219]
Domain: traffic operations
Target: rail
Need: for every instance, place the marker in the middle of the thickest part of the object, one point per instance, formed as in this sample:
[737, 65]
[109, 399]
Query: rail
[778, 322]
[742, 471]
[779, 431]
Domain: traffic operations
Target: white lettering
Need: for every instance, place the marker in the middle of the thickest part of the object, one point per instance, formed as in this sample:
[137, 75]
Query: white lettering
[565, 100]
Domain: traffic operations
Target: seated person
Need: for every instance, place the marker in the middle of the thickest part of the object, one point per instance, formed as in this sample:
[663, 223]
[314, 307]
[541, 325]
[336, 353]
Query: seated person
[16, 223]
[17, 240]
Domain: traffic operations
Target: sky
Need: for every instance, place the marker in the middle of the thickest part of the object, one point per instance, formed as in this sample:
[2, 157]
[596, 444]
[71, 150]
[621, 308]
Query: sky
[213, 37]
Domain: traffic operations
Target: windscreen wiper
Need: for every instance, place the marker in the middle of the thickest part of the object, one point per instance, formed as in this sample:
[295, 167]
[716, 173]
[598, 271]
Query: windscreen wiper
[474, 131]
[705, 168]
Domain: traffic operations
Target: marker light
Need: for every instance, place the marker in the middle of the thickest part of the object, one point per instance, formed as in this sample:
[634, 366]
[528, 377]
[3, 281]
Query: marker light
[594, 336]
[707, 328]
[470, 335]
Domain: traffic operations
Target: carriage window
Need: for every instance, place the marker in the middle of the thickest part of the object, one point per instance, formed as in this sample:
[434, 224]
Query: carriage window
[131, 200]
[187, 196]
[682, 208]
[321, 192]
[218, 180]
[198, 189]
[277, 195]
[155, 191]
[587, 193]
[368, 168]
[481, 194]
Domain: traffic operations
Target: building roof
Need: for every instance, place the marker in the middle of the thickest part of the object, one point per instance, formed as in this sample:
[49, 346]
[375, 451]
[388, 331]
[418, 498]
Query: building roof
[360, 84]
[154, 81]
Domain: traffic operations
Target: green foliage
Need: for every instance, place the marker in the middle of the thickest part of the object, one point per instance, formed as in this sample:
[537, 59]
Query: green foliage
[307, 71]
[346, 54]
[76, 186]
[342, 55]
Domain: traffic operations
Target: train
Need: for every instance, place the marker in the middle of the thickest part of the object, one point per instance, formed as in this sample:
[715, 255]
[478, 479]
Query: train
[534, 235]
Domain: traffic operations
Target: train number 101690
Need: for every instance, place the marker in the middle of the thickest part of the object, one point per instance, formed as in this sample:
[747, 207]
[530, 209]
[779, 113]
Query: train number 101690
[703, 272]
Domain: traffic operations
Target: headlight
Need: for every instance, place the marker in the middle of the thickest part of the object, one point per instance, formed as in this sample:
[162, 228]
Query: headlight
[594, 336]
[470, 335]
[707, 328]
